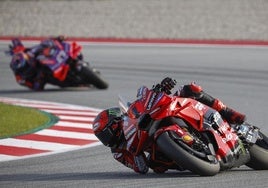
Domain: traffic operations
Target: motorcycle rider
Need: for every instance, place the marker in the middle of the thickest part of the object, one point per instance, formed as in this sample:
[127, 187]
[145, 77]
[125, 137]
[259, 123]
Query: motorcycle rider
[108, 125]
[23, 63]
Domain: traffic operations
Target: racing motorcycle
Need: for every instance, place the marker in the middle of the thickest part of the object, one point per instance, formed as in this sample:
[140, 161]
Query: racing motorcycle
[62, 63]
[184, 134]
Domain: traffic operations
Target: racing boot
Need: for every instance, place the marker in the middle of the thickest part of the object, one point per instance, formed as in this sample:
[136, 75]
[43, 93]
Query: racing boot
[196, 92]
[230, 115]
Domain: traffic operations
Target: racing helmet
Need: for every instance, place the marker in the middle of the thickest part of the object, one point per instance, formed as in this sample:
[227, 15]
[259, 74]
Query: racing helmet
[107, 127]
[20, 64]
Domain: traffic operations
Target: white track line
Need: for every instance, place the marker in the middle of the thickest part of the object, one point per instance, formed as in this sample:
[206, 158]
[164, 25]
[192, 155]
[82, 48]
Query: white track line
[74, 118]
[76, 125]
[67, 134]
[70, 116]
[35, 144]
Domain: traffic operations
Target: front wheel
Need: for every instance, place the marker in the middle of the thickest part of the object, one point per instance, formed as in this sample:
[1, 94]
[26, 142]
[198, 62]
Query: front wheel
[259, 154]
[185, 158]
[91, 77]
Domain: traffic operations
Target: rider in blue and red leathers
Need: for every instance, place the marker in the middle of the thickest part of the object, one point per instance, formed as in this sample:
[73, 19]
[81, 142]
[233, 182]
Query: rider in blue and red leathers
[108, 125]
[24, 66]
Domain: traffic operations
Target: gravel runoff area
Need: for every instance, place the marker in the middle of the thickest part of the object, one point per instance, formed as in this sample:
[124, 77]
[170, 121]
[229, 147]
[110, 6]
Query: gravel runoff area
[168, 19]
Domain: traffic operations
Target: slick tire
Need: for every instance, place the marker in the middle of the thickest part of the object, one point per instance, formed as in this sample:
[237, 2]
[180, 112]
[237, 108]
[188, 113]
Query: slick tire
[185, 159]
[259, 154]
[91, 77]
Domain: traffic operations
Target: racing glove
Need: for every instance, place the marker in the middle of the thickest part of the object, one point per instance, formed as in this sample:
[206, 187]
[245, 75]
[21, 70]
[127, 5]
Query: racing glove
[167, 84]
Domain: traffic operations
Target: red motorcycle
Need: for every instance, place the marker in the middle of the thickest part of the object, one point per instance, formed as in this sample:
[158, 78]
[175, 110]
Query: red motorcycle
[184, 134]
[60, 62]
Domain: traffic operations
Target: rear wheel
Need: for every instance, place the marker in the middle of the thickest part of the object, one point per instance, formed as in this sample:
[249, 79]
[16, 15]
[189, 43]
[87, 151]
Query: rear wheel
[92, 77]
[259, 154]
[188, 159]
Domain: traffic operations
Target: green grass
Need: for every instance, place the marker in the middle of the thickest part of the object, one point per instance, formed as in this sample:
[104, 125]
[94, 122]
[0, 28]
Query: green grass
[16, 120]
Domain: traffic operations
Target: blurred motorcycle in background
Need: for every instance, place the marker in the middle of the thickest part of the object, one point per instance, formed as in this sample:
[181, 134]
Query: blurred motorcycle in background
[54, 61]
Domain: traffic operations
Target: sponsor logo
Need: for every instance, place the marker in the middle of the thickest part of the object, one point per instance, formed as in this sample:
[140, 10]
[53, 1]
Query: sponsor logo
[130, 133]
[199, 106]
[151, 101]
[96, 126]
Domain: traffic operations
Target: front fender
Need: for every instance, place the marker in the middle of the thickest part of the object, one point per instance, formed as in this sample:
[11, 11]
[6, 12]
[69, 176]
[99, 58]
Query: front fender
[174, 128]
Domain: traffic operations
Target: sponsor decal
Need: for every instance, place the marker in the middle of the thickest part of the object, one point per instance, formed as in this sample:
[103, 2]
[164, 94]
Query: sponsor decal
[151, 101]
[96, 126]
[130, 133]
[200, 106]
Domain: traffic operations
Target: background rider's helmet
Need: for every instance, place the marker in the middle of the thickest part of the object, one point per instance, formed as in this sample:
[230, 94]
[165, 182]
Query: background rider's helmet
[20, 64]
[107, 127]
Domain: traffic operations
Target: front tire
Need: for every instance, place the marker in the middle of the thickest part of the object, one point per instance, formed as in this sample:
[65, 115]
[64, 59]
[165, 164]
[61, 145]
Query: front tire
[185, 159]
[91, 77]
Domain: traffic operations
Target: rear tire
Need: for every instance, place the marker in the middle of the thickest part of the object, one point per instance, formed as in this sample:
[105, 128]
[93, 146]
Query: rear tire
[259, 154]
[184, 158]
[91, 77]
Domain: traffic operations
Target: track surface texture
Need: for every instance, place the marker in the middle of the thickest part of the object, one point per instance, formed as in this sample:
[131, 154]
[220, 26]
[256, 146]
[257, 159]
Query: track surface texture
[237, 75]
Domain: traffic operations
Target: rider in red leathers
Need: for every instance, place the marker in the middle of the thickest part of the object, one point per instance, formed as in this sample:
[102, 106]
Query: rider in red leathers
[108, 125]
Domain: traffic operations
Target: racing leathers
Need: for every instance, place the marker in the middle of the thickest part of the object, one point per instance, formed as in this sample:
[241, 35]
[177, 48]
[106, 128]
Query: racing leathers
[141, 163]
[29, 73]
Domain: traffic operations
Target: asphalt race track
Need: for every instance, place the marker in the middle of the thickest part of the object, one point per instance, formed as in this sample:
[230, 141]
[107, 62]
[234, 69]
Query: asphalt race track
[236, 74]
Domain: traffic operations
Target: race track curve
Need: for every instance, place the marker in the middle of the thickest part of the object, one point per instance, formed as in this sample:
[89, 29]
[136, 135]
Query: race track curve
[237, 75]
